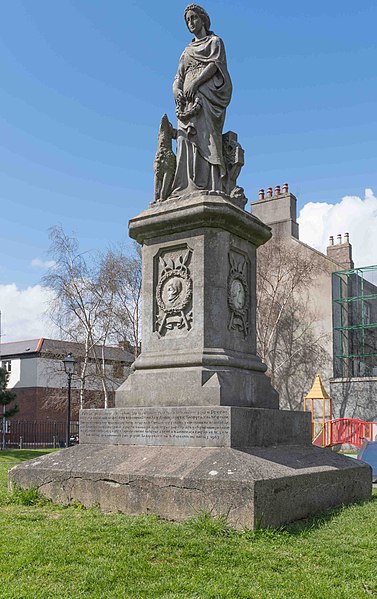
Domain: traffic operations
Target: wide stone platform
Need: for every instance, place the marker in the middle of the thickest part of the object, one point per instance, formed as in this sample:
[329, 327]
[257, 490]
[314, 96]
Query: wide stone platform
[255, 466]
[252, 487]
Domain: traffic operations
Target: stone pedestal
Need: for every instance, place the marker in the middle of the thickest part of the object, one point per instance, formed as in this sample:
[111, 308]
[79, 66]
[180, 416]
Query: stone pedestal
[197, 426]
[199, 307]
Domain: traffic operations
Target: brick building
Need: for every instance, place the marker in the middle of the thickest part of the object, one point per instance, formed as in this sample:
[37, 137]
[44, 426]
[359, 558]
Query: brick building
[38, 378]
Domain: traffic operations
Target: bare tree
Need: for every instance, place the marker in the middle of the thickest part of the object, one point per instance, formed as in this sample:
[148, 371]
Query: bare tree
[288, 340]
[77, 303]
[120, 273]
[96, 303]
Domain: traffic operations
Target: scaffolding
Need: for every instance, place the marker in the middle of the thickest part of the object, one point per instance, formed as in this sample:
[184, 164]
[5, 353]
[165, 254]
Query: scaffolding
[355, 322]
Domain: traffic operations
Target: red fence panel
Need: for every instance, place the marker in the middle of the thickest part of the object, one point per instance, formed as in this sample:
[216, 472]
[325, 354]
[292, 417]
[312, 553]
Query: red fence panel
[344, 430]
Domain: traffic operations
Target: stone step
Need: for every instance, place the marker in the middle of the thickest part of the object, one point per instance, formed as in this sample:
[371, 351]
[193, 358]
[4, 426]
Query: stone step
[200, 426]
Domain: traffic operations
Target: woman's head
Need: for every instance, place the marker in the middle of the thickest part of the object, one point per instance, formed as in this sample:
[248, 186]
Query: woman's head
[200, 12]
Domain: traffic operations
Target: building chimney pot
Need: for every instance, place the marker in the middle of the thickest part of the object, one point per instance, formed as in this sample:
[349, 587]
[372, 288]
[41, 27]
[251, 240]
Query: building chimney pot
[285, 188]
[277, 190]
[261, 194]
[341, 253]
[269, 192]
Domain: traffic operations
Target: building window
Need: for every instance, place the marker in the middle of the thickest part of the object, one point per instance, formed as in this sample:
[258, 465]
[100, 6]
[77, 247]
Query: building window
[118, 370]
[7, 364]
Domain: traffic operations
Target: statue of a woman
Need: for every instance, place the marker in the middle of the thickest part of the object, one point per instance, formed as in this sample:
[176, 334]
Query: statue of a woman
[202, 90]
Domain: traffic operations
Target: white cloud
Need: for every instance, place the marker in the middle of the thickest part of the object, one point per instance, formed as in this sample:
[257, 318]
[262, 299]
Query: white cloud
[23, 313]
[352, 215]
[42, 264]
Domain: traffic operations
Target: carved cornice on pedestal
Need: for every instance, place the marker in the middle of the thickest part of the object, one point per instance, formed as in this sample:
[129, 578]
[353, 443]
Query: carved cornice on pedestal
[178, 215]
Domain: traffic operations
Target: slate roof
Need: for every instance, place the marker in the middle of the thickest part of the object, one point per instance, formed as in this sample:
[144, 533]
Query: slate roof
[60, 348]
[15, 348]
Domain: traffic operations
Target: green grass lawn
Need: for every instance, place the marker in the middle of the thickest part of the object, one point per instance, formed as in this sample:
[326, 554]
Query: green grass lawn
[51, 551]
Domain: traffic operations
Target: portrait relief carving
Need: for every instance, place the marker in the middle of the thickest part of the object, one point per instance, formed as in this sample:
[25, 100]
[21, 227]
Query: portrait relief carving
[238, 293]
[174, 291]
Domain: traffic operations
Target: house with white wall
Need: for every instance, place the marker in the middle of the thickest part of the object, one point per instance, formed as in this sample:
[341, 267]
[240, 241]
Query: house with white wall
[38, 378]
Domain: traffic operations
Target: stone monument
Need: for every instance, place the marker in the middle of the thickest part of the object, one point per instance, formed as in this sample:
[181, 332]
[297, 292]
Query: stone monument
[197, 425]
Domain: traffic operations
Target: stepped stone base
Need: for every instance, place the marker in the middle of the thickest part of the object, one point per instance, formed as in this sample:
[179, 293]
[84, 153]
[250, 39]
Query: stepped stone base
[255, 486]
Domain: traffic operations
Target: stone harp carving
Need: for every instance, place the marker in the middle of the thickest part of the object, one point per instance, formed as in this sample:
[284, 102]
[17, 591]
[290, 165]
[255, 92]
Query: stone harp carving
[238, 293]
[174, 293]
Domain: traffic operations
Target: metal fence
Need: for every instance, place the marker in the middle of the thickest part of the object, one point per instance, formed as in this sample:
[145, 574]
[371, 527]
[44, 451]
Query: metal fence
[20, 434]
[349, 431]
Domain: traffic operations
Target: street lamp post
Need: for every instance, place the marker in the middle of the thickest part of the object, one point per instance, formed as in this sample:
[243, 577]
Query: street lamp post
[69, 367]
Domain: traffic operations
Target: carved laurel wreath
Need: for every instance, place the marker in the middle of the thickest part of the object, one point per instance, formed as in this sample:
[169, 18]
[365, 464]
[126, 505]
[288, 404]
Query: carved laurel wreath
[185, 115]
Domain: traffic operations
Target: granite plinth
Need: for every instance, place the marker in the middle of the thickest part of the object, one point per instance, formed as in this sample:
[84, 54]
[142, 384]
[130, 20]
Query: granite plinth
[204, 352]
[258, 486]
[193, 386]
[194, 427]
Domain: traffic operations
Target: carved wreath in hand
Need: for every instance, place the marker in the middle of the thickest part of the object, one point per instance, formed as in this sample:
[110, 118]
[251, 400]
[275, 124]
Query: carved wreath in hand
[183, 113]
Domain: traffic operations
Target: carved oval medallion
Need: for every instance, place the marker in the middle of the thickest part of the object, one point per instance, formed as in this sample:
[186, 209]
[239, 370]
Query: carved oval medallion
[237, 292]
[174, 291]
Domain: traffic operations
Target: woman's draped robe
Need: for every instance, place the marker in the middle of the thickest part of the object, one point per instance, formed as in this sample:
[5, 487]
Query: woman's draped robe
[200, 163]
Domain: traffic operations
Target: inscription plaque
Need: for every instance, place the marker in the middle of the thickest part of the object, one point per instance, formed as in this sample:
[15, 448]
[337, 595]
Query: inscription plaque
[194, 427]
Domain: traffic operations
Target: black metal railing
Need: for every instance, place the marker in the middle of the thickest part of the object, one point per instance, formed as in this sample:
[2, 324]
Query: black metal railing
[21, 434]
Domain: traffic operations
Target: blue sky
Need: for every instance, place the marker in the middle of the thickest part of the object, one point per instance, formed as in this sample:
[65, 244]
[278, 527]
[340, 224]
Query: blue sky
[84, 84]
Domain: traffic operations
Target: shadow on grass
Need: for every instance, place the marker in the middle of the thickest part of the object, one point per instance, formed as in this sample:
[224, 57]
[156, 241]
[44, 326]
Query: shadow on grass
[309, 524]
[20, 455]
[217, 526]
